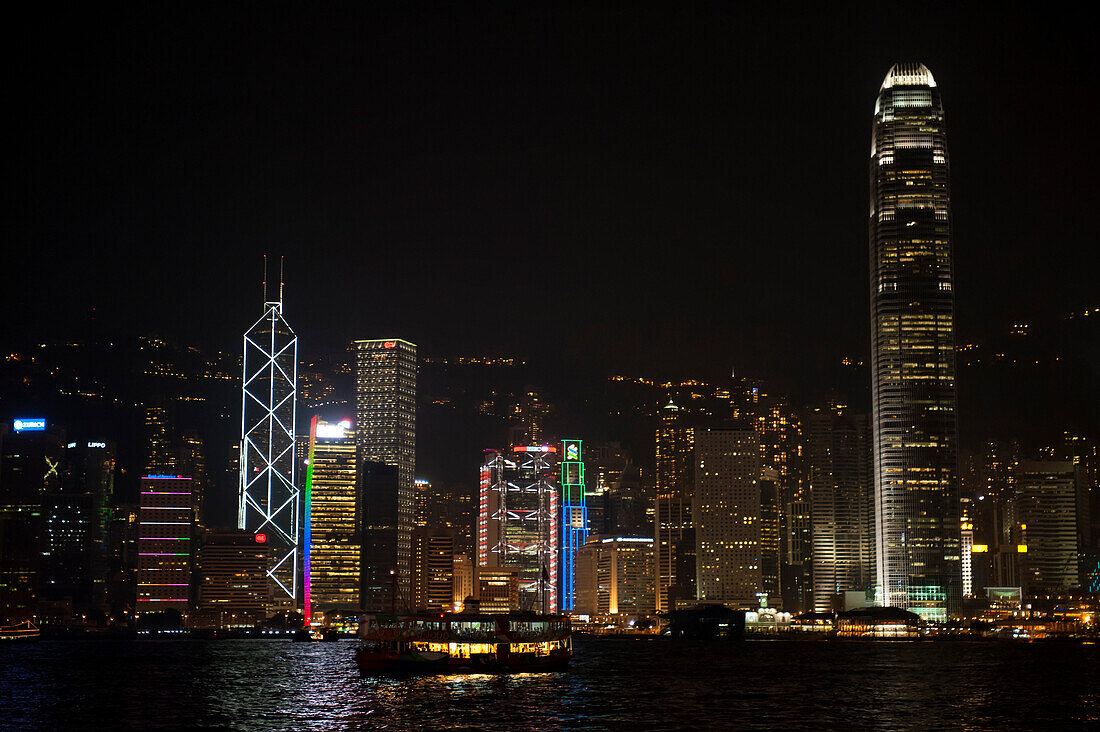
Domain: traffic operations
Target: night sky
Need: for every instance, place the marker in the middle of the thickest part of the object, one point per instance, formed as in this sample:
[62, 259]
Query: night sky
[678, 191]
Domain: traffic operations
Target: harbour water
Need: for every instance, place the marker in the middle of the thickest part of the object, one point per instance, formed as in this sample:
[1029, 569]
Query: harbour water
[616, 683]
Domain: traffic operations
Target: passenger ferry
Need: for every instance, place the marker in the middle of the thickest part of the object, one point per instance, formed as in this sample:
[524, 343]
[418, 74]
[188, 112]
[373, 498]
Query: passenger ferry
[467, 642]
[25, 631]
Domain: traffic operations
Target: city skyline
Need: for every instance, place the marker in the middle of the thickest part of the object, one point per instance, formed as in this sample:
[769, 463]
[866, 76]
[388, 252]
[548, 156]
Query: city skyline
[618, 356]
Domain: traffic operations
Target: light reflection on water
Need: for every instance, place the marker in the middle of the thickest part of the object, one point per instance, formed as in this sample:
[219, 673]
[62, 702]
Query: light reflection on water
[617, 683]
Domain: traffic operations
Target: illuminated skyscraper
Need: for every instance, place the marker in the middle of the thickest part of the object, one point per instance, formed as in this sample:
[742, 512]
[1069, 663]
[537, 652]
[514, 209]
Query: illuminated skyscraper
[433, 579]
[268, 493]
[32, 464]
[1046, 513]
[672, 505]
[615, 576]
[838, 454]
[385, 424]
[166, 533]
[233, 586]
[334, 541]
[574, 525]
[913, 349]
[519, 524]
[74, 541]
[727, 516]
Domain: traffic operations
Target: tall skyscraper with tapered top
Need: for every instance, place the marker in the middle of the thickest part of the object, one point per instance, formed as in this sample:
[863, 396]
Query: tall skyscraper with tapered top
[385, 423]
[913, 349]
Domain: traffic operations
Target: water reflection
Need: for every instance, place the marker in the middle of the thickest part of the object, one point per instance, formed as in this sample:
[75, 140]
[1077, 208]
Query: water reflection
[618, 683]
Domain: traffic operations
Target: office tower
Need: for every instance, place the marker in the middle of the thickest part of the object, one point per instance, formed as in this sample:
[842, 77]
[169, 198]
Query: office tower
[465, 503]
[423, 505]
[781, 450]
[913, 349]
[497, 589]
[379, 485]
[233, 588]
[166, 527]
[31, 466]
[122, 561]
[518, 521]
[331, 505]
[672, 503]
[385, 420]
[528, 417]
[574, 513]
[1046, 514]
[838, 456]
[1085, 456]
[727, 516]
[315, 389]
[683, 590]
[625, 503]
[433, 576]
[604, 464]
[770, 523]
[268, 501]
[74, 538]
[170, 451]
[966, 557]
[615, 576]
[191, 460]
[991, 513]
[463, 574]
[160, 438]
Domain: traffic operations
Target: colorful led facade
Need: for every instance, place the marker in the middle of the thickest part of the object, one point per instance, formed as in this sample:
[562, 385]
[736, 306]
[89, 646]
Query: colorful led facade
[913, 349]
[268, 494]
[519, 521]
[574, 514]
[307, 500]
[165, 534]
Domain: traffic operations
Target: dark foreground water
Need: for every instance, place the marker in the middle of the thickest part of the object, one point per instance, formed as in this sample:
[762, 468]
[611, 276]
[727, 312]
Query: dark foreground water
[618, 684]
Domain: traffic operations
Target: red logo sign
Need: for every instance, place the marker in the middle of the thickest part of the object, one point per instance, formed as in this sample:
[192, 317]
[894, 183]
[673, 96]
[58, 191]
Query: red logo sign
[388, 344]
[261, 538]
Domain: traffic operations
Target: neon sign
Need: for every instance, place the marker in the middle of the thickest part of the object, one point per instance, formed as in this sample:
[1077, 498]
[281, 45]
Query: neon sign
[29, 424]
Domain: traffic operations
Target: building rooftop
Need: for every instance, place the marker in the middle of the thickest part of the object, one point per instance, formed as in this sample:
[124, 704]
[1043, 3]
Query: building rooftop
[909, 73]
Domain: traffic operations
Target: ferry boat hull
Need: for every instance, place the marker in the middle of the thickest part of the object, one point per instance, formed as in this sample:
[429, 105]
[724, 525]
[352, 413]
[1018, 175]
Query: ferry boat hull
[25, 632]
[372, 661]
[464, 643]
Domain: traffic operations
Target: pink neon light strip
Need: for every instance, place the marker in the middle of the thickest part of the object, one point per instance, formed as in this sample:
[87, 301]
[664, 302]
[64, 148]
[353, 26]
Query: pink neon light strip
[162, 584]
[166, 493]
[159, 599]
[164, 538]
